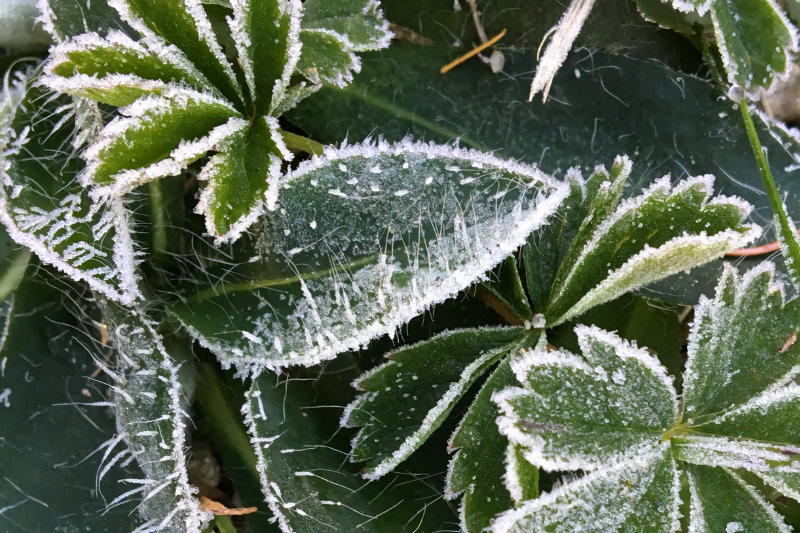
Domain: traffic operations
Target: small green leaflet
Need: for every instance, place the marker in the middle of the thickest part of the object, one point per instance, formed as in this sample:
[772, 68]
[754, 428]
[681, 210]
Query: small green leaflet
[407, 398]
[755, 38]
[756, 41]
[620, 246]
[181, 98]
[613, 412]
[362, 240]
[151, 423]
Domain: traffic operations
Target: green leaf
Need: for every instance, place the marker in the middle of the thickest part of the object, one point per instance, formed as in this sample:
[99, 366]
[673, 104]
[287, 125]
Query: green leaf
[361, 241]
[116, 69]
[67, 18]
[399, 93]
[742, 343]
[151, 416]
[788, 483]
[53, 417]
[306, 479]
[582, 413]
[722, 501]
[265, 33]
[42, 203]
[361, 22]
[185, 24]
[157, 137]
[551, 248]
[245, 170]
[406, 399]
[326, 58]
[478, 467]
[505, 285]
[755, 40]
[664, 231]
[639, 494]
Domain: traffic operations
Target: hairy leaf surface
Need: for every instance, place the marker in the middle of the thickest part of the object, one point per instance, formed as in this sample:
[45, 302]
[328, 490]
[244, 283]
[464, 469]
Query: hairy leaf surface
[152, 422]
[43, 204]
[361, 241]
[306, 479]
[360, 21]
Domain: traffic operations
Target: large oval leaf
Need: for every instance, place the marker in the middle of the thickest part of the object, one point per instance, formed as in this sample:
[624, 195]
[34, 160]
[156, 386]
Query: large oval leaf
[364, 239]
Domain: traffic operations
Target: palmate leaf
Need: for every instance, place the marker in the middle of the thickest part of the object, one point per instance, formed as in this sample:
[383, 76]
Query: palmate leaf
[361, 241]
[152, 423]
[306, 479]
[407, 398]
[613, 408]
[505, 285]
[43, 205]
[623, 246]
[742, 343]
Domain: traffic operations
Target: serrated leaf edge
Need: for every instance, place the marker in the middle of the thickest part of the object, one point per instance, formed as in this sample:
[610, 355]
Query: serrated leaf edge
[440, 409]
[345, 77]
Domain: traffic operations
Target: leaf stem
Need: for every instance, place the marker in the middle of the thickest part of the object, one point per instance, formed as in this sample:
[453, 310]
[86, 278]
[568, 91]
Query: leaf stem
[786, 232]
[14, 271]
[158, 221]
[301, 144]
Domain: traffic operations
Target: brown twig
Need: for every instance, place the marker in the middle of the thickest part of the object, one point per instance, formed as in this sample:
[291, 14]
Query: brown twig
[768, 248]
[218, 509]
[475, 51]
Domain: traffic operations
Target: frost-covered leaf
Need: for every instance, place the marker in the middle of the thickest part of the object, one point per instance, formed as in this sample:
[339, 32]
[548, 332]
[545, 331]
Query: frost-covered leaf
[407, 398]
[246, 169]
[636, 495]
[361, 22]
[477, 470]
[327, 58]
[158, 136]
[265, 33]
[735, 452]
[755, 39]
[19, 30]
[505, 285]
[54, 418]
[647, 238]
[185, 24]
[721, 501]
[152, 422]
[116, 69]
[587, 205]
[306, 479]
[742, 344]
[787, 483]
[361, 241]
[583, 413]
[67, 18]
[43, 205]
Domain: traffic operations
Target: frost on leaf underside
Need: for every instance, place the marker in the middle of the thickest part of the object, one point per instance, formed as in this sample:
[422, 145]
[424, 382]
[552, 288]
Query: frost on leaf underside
[623, 246]
[151, 423]
[362, 240]
[43, 204]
